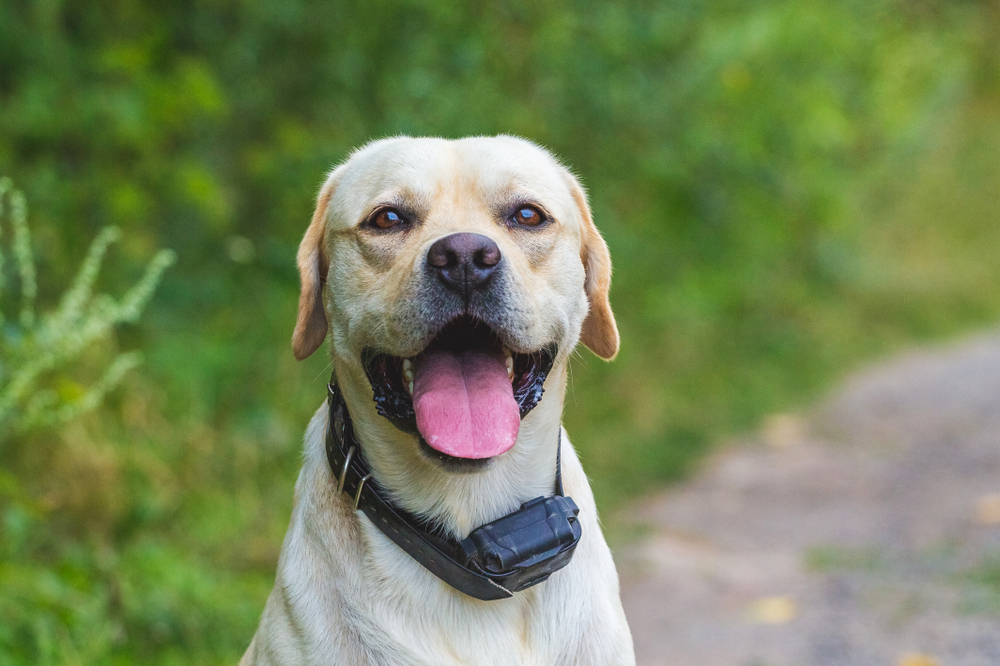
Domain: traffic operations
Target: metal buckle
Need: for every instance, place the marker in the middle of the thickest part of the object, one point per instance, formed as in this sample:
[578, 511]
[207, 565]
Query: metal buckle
[343, 471]
[357, 493]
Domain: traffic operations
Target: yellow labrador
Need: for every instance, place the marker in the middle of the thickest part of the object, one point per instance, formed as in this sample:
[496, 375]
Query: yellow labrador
[454, 280]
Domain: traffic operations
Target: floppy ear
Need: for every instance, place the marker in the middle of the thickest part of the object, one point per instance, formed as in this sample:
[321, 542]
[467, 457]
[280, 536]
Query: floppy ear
[310, 328]
[600, 332]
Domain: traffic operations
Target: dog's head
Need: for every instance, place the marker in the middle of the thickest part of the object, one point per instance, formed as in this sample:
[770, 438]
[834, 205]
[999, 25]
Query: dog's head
[452, 276]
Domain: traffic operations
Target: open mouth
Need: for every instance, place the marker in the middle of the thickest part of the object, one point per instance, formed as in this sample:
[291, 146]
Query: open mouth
[465, 394]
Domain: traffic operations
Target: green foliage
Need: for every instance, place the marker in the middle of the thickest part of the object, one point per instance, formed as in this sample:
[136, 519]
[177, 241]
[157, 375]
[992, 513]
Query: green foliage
[788, 187]
[982, 586]
[39, 345]
[51, 615]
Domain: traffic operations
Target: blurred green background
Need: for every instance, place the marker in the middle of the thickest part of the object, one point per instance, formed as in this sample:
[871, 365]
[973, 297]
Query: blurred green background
[788, 187]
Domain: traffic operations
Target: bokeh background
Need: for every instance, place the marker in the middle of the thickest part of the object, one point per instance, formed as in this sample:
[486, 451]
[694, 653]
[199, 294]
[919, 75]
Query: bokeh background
[788, 188]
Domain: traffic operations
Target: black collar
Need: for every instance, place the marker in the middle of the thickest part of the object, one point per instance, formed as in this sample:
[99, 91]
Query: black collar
[497, 559]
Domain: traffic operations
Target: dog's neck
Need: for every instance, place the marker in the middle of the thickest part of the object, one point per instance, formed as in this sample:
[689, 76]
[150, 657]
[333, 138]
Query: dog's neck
[459, 501]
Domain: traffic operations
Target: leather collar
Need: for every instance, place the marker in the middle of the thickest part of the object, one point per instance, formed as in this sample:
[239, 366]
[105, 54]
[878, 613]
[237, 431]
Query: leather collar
[495, 561]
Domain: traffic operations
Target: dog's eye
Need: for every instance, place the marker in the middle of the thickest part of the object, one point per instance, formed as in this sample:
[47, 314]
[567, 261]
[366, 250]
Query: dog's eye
[387, 219]
[529, 216]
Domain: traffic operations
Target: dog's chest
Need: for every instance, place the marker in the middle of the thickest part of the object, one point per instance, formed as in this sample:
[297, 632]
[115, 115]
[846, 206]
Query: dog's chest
[411, 617]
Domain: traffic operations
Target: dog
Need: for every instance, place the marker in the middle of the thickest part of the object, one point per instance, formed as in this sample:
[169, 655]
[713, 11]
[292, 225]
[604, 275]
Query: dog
[454, 279]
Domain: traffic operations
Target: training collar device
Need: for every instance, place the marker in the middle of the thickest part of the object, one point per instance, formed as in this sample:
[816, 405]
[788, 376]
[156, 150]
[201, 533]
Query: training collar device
[496, 560]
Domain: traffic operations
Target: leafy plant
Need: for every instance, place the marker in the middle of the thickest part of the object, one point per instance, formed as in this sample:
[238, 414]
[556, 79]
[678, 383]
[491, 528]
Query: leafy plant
[33, 345]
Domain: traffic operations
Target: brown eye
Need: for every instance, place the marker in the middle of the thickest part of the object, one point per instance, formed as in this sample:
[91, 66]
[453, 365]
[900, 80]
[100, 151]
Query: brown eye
[529, 216]
[387, 219]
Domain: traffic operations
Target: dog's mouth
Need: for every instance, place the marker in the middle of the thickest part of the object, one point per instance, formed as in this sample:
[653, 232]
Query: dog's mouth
[465, 394]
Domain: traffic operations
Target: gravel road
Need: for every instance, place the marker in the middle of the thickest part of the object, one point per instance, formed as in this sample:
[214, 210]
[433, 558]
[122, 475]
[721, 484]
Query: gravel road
[864, 533]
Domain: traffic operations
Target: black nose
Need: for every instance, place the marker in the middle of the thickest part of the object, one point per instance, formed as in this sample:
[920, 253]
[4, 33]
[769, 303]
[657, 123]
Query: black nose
[464, 262]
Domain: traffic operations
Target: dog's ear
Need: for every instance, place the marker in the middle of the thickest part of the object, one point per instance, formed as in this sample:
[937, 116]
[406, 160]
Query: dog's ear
[310, 327]
[600, 332]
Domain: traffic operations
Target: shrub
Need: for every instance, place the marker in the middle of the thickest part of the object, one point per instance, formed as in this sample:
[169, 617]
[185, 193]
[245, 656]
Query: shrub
[33, 346]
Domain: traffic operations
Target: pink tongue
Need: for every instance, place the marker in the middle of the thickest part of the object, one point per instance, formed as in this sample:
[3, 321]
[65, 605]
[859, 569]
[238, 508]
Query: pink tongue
[465, 404]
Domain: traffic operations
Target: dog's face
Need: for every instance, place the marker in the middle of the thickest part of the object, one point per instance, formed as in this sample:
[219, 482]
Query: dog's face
[452, 275]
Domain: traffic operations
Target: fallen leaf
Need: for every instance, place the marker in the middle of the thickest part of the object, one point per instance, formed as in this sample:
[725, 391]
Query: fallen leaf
[774, 610]
[917, 659]
[988, 509]
[783, 430]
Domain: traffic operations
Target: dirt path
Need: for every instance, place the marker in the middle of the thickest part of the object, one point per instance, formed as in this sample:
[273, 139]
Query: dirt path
[864, 534]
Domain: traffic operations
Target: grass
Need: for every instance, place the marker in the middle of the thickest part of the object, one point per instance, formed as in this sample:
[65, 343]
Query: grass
[981, 585]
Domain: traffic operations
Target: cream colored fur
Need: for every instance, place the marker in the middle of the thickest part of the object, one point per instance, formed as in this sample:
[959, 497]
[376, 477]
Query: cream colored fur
[344, 593]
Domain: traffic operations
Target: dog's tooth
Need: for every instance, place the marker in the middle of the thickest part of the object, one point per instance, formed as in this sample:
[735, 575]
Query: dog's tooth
[410, 387]
[510, 368]
[407, 365]
[408, 375]
[408, 371]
